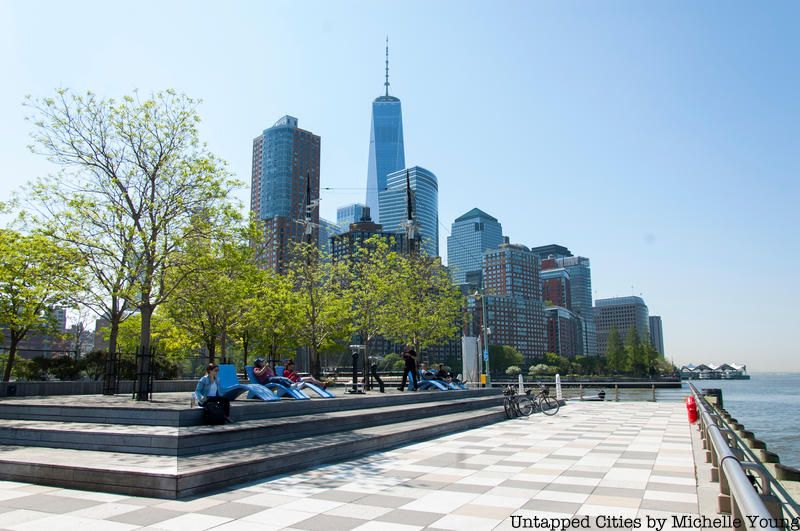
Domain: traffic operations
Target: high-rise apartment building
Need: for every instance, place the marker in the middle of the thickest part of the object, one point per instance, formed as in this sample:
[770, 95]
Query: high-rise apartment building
[563, 332]
[386, 151]
[425, 205]
[345, 215]
[552, 250]
[514, 310]
[285, 158]
[580, 284]
[657, 334]
[327, 229]
[471, 235]
[623, 313]
[556, 287]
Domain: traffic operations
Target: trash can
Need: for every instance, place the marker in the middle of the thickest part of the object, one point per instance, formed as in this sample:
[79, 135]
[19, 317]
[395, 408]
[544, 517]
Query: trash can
[716, 393]
[11, 390]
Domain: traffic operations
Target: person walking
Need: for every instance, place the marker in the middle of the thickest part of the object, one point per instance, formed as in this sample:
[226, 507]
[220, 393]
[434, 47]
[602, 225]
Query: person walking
[410, 359]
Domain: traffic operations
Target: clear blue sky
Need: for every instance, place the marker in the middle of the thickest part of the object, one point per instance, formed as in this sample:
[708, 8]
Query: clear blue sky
[660, 139]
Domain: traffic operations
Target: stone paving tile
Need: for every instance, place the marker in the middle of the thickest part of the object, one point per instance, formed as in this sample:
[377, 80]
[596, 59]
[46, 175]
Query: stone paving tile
[621, 458]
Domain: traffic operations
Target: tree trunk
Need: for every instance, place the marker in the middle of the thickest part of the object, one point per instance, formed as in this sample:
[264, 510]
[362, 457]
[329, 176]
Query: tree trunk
[12, 353]
[313, 356]
[211, 347]
[245, 345]
[223, 342]
[110, 376]
[144, 361]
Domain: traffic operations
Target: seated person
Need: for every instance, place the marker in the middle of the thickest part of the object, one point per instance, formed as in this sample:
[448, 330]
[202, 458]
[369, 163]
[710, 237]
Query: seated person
[208, 390]
[443, 375]
[425, 373]
[292, 375]
[262, 371]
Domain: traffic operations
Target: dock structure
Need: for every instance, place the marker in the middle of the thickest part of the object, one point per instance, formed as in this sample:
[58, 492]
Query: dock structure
[609, 465]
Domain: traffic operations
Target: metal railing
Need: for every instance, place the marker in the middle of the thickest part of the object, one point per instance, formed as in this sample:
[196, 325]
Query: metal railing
[747, 490]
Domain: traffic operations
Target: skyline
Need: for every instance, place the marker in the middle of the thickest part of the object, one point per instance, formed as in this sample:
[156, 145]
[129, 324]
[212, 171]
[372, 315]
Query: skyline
[658, 141]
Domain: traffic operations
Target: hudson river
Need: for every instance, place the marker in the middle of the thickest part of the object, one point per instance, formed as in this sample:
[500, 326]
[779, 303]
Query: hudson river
[768, 404]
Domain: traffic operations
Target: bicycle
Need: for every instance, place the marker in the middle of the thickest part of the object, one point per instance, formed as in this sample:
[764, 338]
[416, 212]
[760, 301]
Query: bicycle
[543, 401]
[516, 405]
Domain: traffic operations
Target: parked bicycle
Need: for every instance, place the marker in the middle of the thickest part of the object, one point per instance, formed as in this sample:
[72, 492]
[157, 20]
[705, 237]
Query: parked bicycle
[516, 405]
[544, 402]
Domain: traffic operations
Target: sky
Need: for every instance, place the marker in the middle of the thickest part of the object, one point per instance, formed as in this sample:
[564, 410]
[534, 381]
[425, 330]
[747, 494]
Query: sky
[659, 139]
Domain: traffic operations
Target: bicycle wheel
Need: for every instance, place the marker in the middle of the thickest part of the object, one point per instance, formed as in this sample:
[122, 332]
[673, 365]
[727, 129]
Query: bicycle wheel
[509, 408]
[524, 406]
[549, 405]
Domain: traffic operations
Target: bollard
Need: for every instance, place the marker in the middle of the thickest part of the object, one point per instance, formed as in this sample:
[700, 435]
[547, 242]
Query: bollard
[616, 392]
[581, 391]
[654, 392]
[559, 396]
[521, 386]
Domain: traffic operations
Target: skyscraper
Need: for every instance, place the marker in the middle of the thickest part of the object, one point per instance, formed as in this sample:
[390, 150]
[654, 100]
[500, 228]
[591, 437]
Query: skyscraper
[580, 282]
[514, 310]
[471, 235]
[386, 152]
[327, 230]
[623, 313]
[284, 158]
[348, 214]
[425, 196]
[657, 334]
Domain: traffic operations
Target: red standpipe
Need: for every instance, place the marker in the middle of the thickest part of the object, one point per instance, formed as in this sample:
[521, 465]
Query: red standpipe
[691, 409]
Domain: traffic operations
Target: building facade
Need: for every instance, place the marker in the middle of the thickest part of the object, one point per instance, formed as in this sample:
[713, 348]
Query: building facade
[555, 286]
[623, 313]
[563, 332]
[470, 236]
[327, 230]
[285, 157]
[580, 284]
[514, 309]
[657, 334]
[345, 215]
[386, 151]
[425, 204]
[345, 245]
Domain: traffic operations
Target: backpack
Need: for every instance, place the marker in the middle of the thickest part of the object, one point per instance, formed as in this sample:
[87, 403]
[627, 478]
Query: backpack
[213, 413]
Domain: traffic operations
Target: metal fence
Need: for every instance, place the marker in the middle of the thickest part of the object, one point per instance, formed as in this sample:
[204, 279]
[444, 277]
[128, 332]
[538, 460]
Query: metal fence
[747, 489]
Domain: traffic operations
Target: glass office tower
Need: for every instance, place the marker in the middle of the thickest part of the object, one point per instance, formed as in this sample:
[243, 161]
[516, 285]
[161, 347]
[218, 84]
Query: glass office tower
[425, 194]
[386, 152]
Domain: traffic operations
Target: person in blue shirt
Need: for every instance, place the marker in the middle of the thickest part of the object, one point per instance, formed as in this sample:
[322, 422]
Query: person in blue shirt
[209, 390]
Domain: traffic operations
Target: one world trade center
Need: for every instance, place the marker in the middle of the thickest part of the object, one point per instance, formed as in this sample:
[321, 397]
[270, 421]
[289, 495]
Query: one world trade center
[386, 153]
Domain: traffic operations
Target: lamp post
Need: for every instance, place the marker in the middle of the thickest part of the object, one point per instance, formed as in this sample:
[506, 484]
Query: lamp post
[485, 331]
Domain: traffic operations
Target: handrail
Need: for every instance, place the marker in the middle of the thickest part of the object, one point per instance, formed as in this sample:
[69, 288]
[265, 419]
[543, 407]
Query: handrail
[745, 500]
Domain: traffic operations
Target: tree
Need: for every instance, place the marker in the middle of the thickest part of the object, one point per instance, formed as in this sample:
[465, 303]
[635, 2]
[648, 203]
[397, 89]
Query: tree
[540, 369]
[273, 315]
[426, 307]
[615, 352]
[35, 274]
[325, 306]
[143, 160]
[221, 277]
[635, 352]
[372, 286]
[513, 371]
[503, 356]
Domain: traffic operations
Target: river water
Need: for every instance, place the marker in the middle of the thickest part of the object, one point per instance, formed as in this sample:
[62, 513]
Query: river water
[768, 404]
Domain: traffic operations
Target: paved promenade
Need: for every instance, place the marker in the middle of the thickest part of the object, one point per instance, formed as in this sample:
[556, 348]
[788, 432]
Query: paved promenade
[626, 460]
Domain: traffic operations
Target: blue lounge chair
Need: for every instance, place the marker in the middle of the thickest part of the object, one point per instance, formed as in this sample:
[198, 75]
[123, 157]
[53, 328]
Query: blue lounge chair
[425, 384]
[231, 388]
[324, 393]
[280, 386]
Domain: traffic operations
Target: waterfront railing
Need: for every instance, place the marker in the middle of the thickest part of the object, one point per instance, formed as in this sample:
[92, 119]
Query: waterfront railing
[747, 489]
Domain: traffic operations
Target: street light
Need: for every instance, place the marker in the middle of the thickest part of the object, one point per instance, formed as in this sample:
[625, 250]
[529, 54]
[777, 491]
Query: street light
[485, 331]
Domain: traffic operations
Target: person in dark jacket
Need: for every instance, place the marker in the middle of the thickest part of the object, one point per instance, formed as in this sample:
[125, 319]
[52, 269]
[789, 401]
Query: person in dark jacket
[410, 368]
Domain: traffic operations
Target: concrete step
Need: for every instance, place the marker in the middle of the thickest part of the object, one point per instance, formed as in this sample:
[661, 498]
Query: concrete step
[175, 477]
[178, 441]
[173, 409]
